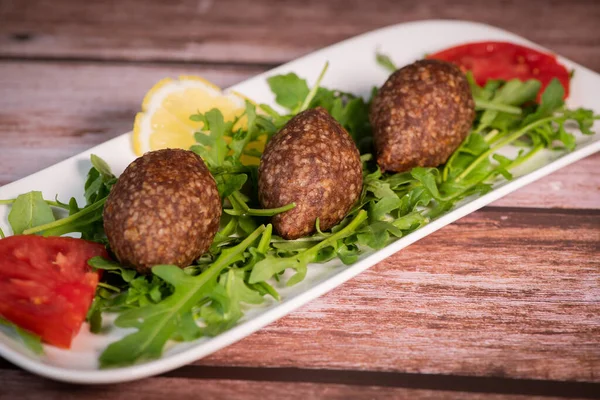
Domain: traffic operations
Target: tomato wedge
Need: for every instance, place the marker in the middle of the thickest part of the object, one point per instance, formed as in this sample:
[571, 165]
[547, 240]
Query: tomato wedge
[46, 285]
[503, 60]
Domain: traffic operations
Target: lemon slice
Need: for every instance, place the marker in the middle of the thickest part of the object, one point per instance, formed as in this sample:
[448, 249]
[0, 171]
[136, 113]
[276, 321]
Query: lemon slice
[165, 118]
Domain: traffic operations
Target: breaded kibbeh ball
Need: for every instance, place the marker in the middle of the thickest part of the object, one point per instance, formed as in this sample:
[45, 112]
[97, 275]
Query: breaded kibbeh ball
[421, 115]
[314, 163]
[164, 209]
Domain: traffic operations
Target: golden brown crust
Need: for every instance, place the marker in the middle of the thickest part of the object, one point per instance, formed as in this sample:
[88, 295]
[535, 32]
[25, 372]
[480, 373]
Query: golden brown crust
[313, 162]
[421, 115]
[164, 209]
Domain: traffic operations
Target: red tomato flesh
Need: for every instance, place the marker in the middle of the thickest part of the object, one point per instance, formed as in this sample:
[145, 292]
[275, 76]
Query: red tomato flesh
[502, 60]
[46, 285]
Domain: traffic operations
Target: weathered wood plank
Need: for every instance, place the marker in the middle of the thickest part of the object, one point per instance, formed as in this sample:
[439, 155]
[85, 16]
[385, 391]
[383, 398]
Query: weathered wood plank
[22, 385]
[576, 186]
[267, 31]
[499, 293]
[51, 111]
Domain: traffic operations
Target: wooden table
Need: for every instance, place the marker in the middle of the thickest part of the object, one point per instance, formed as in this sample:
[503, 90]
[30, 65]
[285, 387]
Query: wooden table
[506, 301]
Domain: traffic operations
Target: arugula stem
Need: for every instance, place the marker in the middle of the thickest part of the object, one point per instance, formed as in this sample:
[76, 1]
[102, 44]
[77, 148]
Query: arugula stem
[314, 89]
[348, 230]
[88, 210]
[514, 136]
[486, 105]
[491, 135]
[240, 201]
[313, 238]
[526, 157]
[229, 228]
[269, 289]
[56, 204]
[446, 169]
[109, 287]
[229, 170]
[254, 212]
[386, 62]
[265, 240]
[2, 236]
[237, 119]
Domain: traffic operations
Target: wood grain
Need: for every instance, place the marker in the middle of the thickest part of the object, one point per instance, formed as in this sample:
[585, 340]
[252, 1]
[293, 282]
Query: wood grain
[498, 293]
[267, 31]
[576, 186]
[53, 110]
[21, 385]
[507, 293]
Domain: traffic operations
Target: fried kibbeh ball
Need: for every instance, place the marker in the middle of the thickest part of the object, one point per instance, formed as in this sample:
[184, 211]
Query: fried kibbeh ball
[314, 163]
[421, 115]
[164, 209]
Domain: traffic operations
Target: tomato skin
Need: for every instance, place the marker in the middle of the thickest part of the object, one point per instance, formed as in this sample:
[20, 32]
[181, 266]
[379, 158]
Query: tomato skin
[46, 285]
[503, 60]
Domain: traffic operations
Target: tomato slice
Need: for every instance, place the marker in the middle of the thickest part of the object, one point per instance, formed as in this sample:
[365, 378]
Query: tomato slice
[46, 285]
[503, 60]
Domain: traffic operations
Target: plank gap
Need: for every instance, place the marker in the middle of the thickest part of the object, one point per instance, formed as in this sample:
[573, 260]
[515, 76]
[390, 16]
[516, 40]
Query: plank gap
[124, 61]
[437, 382]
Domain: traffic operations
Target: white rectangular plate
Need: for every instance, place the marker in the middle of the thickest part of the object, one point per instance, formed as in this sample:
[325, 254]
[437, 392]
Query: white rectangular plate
[352, 69]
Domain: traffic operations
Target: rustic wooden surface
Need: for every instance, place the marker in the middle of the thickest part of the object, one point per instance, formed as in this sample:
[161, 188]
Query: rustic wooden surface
[504, 303]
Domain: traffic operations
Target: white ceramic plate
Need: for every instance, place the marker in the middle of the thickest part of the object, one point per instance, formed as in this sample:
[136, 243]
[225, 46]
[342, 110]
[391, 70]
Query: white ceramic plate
[352, 69]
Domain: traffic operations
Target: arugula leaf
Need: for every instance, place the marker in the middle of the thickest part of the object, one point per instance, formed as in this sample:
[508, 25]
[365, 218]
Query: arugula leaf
[213, 148]
[127, 274]
[80, 221]
[348, 253]
[86, 221]
[385, 61]
[273, 265]
[227, 184]
[428, 178]
[99, 180]
[225, 308]
[567, 139]
[29, 210]
[377, 234]
[372, 183]
[101, 166]
[551, 101]
[583, 117]
[29, 340]
[515, 92]
[289, 90]
[500, 101]
[157, 323]
[378, 210]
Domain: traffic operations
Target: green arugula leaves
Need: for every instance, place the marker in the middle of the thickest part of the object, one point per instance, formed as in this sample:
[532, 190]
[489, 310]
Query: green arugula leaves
[290, 90]
[273, 265]
[172, 318]
[29, 210]
[292, 93]
[385, 61]
[213, 148]
[88, 220]
[29, 340]
[32, 214]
